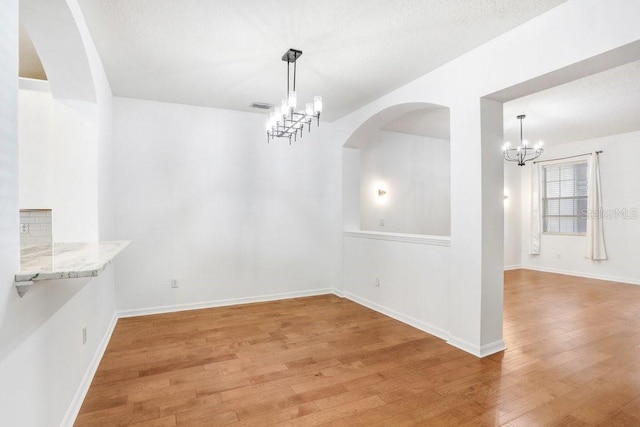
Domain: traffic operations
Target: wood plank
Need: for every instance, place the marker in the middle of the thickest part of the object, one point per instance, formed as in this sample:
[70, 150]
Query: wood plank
[571, 359]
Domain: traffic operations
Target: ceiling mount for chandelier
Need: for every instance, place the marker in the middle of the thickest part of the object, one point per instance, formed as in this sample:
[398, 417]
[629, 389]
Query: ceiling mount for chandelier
[522, 153]
[286, 121]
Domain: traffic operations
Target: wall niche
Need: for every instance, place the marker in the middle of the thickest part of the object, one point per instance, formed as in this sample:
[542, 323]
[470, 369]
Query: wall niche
[403, 171]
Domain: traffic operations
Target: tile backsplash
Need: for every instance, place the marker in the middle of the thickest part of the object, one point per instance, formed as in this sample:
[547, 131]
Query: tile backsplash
[35, 227]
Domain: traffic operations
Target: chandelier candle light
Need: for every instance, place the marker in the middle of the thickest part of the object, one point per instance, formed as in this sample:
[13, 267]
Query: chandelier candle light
[523, 153]
[286, 121]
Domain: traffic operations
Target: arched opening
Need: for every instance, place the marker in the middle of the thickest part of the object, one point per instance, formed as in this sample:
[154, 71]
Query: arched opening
[396, 182]
[62, 111]
[396, 172]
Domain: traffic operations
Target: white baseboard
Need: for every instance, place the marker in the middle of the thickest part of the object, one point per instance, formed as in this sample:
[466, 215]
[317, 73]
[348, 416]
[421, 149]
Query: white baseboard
[582, 274]
[479, 351]
[338, 292]
[492, 348]
[512, 267]
[412, 321]
[222, 303]
[83, 388]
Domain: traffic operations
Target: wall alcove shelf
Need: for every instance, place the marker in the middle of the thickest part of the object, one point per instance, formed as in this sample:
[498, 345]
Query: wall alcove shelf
[64, 261]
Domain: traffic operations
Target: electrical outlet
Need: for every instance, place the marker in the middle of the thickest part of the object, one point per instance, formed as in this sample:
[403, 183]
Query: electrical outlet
[174, 283]
[84, 335]
[24, 228]
[377, 282]
[558, 256]
[381, 222]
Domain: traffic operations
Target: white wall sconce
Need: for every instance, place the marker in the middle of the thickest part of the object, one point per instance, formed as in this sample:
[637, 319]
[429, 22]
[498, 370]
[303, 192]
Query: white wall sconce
[380, 192]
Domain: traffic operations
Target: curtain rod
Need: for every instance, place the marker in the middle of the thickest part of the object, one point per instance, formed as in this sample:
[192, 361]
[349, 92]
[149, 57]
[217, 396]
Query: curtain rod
[568, 157]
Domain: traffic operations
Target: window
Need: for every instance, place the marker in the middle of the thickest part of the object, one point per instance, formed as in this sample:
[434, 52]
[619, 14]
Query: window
[564, 198]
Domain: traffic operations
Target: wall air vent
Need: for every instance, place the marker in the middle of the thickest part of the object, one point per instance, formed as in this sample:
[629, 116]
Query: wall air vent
[261, 106]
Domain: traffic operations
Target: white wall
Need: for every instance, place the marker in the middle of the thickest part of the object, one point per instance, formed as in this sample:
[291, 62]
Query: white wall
[512, 215]
[58, 159]
[43, 362]
[9, 246]
[415, 171]
[403, 279]
[350, 189]
[207, 201]
[619, 174]
[44, 367]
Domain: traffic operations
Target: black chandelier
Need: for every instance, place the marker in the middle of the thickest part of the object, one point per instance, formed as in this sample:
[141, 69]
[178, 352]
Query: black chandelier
[522, 153]
[286, 121]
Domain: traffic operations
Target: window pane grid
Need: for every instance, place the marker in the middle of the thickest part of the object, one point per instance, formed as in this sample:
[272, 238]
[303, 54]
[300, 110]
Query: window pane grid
[564, 200]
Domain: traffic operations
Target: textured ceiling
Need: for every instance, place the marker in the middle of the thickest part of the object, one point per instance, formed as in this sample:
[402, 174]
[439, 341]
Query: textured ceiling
[602, 104]
[226, 53]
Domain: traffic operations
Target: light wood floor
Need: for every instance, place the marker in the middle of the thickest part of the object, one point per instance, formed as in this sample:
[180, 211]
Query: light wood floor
[573, 359]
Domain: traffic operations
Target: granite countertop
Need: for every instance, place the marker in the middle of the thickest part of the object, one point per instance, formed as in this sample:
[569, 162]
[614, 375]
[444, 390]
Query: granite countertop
[66, 260]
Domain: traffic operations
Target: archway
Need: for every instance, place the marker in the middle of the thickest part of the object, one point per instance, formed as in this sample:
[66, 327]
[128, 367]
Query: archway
[392, 270]
[396, 174]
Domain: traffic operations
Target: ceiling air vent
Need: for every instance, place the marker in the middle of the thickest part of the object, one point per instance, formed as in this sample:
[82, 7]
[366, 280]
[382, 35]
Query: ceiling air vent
[261, 105]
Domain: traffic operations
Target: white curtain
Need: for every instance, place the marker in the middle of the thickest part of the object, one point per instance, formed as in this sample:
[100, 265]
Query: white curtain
[595, 249]
[534, 236]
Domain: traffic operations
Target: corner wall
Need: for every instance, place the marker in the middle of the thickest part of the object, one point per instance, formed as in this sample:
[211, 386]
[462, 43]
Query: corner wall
[207, 201]
[619, 175]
